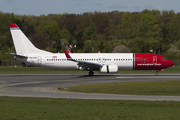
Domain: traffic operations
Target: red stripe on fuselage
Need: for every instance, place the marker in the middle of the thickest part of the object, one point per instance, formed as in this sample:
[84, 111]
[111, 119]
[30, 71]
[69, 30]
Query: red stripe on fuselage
[145, 61]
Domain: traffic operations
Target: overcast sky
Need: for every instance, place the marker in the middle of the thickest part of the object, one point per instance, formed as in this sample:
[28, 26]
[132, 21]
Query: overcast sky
[39, 7]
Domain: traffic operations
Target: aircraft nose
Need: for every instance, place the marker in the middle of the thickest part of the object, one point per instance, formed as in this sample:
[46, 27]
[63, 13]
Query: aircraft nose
[171, 63]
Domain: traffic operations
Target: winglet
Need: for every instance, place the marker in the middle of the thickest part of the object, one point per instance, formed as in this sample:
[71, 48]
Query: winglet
[68, 51]
[67, 55]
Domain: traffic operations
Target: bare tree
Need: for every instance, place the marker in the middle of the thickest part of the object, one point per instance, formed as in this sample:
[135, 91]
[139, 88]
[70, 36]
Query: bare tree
[121, 49]
[41, 41]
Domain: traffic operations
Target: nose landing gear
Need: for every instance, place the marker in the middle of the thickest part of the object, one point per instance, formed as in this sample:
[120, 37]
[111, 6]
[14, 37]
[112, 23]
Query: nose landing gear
[157, 72]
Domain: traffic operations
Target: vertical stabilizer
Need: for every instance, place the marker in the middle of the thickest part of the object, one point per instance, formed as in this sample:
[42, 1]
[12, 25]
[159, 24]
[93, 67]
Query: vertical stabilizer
[22, 44]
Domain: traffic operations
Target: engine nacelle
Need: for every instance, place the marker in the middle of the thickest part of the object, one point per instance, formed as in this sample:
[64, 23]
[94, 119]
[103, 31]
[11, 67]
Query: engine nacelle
[109, 69]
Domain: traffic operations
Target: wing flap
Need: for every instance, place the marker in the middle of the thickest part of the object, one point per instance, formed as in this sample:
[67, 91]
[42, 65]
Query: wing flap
[88, 65]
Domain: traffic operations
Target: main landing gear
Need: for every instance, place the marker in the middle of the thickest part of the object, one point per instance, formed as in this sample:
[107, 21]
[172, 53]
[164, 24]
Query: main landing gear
[91, 73]
[157, 72]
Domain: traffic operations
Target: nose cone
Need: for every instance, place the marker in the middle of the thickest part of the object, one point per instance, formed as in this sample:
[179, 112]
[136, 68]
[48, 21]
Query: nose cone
[170, 63]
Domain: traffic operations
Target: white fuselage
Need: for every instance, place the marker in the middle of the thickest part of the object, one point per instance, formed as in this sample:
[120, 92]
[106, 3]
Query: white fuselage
[124, 61]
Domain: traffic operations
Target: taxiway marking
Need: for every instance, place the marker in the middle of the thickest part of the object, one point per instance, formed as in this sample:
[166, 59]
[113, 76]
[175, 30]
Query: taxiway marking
[146, 77]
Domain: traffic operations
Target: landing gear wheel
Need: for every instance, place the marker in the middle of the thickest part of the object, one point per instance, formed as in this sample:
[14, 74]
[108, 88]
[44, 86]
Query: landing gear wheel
[157, 73]
[91, 73]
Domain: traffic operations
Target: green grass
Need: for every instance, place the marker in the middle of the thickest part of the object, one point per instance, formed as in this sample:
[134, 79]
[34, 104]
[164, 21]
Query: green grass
[12, 108]
[38, 70]
[170, 88]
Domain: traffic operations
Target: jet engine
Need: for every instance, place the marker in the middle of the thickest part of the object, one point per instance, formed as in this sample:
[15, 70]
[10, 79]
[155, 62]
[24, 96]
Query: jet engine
[109, 69]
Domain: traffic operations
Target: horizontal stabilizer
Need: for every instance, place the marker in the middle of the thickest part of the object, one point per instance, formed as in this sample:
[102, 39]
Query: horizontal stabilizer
[14, 54]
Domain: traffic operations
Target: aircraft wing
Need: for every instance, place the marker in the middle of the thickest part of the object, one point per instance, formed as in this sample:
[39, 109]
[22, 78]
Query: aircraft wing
[14, 54]
[82, 65]
[88, 65]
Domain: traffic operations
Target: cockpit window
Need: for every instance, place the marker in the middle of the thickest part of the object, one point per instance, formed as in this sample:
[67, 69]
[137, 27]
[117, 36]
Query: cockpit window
[164, 58]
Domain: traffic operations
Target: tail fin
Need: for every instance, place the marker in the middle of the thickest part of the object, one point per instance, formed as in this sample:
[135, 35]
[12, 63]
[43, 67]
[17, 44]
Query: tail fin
[22, 44]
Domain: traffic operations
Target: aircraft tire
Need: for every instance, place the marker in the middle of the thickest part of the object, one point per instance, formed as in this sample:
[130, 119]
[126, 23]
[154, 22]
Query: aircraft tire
[91, 73]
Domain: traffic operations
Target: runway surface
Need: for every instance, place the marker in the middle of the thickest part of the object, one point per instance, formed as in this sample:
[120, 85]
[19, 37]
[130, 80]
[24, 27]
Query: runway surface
[45, 85]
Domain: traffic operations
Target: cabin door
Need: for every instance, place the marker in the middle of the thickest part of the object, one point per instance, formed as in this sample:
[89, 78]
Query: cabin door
[154, 60]
[39, 60]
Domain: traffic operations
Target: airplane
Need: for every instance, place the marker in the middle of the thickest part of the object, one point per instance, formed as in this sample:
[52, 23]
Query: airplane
[27, 53]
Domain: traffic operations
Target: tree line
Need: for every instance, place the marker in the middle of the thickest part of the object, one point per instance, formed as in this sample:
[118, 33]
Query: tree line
[138, 32]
